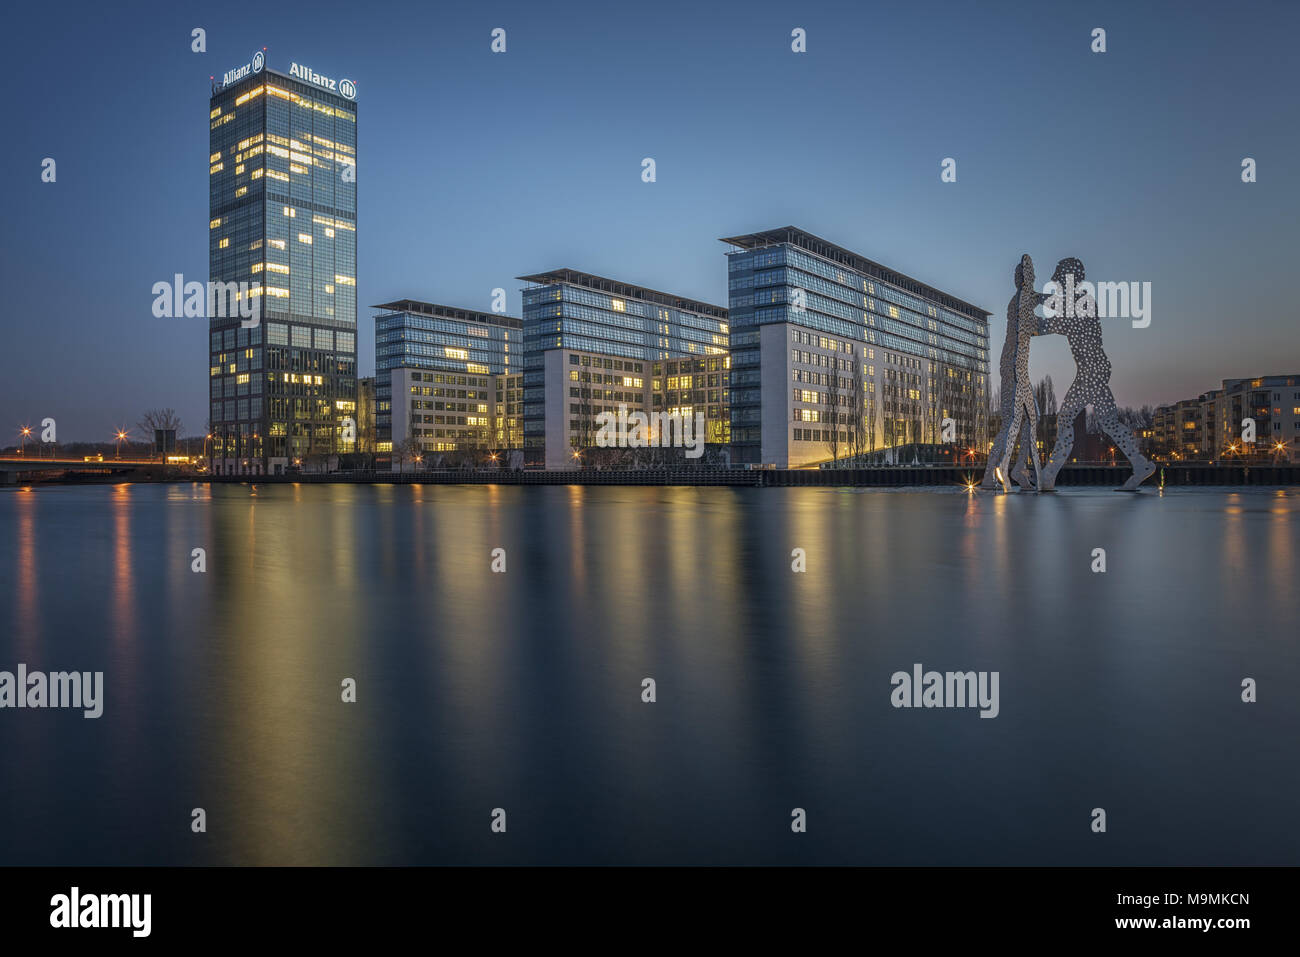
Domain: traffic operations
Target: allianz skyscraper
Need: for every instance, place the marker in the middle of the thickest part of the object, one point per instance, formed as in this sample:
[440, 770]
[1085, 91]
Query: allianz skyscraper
[283, 220]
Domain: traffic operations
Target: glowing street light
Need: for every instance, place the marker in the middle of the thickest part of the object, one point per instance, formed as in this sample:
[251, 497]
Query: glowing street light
[23, 433]
[121, 434]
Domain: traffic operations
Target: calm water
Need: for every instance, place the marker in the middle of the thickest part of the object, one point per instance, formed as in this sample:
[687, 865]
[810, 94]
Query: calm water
[522, 691]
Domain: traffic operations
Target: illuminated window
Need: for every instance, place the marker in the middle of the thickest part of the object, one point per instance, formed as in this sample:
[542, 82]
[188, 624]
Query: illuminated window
[224, 243]
[213, 224]
[290, 212]
[304, 238]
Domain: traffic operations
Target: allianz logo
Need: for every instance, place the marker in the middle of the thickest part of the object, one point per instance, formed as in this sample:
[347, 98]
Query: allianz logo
[253, 66]
[345, 87]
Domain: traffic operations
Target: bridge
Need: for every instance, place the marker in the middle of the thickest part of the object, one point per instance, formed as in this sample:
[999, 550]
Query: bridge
[14, 467]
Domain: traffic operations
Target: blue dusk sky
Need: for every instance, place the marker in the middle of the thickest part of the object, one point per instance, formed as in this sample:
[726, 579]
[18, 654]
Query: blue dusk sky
[475, 168]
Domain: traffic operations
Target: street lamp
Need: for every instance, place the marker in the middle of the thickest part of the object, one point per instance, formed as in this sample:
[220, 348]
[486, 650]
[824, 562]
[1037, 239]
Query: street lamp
[121, 434]
[23, 433]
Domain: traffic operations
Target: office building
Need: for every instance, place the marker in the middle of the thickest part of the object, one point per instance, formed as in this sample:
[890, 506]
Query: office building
[447, 380]
[591, 344]
[366, 415]
[834, 356]
[282, 227]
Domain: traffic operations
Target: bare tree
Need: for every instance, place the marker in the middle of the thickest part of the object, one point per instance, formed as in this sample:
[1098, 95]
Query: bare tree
[856, 403]
[833, 403]
[407, 450]
[870, 408]
[154, 419]
[1048, 427]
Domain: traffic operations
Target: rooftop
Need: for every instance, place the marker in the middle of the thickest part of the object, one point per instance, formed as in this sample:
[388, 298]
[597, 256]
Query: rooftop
[437, 311]
[828, 250]
[615, 287]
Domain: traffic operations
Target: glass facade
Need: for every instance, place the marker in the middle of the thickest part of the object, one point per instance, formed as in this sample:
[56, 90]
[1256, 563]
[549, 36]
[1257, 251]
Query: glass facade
[485, 346]
[572, 310]
[282, 220]
[690, 386]
[919, 355]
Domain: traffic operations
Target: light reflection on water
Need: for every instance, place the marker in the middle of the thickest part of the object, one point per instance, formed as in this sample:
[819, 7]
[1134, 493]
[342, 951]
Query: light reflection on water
[522, 690]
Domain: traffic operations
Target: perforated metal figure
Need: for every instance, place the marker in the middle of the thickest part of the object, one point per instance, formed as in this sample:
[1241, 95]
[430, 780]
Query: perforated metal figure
[1024, 405]
[1081, 326]
[1017, 394]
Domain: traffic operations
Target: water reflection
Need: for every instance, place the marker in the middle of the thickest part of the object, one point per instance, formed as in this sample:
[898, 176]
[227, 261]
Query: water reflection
[523, 690]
